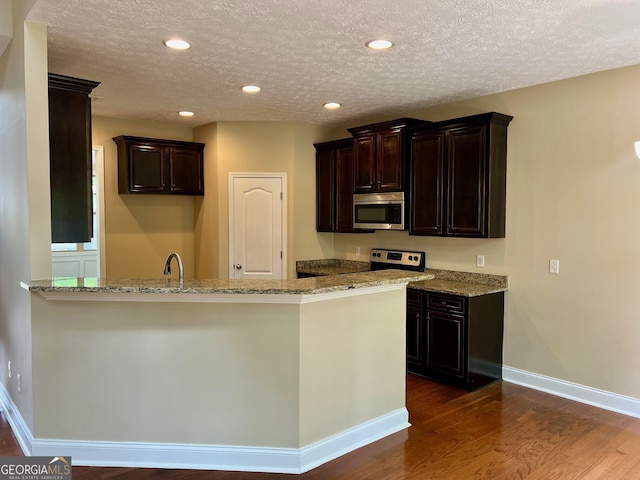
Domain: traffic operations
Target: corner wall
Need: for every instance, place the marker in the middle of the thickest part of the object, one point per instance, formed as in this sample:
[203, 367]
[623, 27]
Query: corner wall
[258, 147]
[207, 223]
[6, 24]
[141, 230]
[21, 198]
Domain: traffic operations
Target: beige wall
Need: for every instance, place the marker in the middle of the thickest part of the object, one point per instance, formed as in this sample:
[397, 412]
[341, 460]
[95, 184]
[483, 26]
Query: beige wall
[259, 147]
[24, 194]
[216, 374]
[189, 373]
[307, 243]
[352, 362]
[207, 223]
[6, 24]
[141, 230]
[572, 193]
[37, 101]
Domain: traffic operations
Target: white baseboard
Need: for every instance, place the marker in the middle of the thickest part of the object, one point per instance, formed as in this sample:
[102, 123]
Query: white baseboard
[205, 457]
[573, 391]
[20, 428]
[277, 460]
[337, 445]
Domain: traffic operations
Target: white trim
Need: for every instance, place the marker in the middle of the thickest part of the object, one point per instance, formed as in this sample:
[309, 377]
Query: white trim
[18, 425]
[100, 211]
[285, 219]
[75, 263]
[205, 457]
[275, 298]
[573, 391]
[335, 446]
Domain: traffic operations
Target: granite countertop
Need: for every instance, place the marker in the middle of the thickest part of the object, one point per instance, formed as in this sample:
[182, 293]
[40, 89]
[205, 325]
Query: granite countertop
[313, 285]
[466, 284]
[334, 266]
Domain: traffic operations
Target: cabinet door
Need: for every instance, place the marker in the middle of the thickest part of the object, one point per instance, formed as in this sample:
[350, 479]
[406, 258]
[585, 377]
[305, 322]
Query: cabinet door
[389, 165]
[325, 190]
[146, 169]
[415, 335]
[445, 343]
[185, 172]
[427, 183]
[364, 163]
[70, 159]
[344, 189]
[467, 181]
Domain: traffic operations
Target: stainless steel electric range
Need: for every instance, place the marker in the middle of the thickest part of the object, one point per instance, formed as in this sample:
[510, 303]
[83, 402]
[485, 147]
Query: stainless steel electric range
[383, 259]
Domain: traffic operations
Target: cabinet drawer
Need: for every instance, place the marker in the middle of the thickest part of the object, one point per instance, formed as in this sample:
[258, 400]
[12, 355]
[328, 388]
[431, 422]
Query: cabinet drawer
[414, 297]
[449, 303]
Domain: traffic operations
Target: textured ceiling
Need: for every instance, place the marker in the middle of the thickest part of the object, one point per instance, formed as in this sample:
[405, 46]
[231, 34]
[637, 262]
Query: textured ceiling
[304, 53]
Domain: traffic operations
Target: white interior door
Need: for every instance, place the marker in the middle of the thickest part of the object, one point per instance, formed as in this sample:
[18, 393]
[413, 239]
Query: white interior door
[257, 221]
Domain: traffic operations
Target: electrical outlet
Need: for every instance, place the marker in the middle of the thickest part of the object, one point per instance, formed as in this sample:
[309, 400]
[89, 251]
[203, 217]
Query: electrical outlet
[358, 251]
[480, 261]
[554, 266]
[9, 368]
[19, 379]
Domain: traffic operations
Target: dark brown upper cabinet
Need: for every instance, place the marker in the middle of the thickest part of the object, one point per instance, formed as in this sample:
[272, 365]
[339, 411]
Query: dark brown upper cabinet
[325, 187]
[380, 152]
[458, 171]
[334, 186]
[70, 167]
[157, 166]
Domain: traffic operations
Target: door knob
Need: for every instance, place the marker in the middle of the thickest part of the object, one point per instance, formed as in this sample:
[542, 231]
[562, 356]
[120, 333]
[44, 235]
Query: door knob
[238, 266]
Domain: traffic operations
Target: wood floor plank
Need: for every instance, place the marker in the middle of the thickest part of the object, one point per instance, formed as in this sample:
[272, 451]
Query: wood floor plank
[503, 432]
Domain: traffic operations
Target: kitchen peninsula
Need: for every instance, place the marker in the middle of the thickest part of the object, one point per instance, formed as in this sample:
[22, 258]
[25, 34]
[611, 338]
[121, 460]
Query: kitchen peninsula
[273, 376]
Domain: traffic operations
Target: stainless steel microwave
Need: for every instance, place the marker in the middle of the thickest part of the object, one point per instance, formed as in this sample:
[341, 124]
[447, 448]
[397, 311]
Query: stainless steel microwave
[379, 211]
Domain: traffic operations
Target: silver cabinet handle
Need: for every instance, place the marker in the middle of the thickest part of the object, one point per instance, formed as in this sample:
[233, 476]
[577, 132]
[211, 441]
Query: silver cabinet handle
[238, 266]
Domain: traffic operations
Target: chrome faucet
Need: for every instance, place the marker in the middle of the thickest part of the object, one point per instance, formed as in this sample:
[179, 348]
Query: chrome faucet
[167, 266]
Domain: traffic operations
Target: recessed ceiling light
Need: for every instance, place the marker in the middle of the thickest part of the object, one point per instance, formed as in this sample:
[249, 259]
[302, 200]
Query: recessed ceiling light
[177, 44]
[186, 113]
[251, 89]
[332, 105]
[379, 44]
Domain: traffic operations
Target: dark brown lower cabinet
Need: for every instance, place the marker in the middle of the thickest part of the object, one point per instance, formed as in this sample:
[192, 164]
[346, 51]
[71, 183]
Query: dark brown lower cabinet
[415, 334]
[455, 339]
[445, 334]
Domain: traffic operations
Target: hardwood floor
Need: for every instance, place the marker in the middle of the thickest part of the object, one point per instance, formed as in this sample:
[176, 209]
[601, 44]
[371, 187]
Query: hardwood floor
[503, 432]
